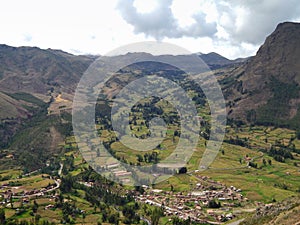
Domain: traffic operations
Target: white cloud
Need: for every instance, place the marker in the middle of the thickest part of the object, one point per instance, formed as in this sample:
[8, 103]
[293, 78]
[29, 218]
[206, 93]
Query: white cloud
[232, 28]
[160, 22]
[234, 23]
[250, 21]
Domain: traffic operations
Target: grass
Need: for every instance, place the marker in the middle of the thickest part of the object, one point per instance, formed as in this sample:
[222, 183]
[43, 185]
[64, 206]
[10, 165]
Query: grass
[26, 97]
[51, 215]
[277, 216]
[266, 183]
[44, 201]
[8, 107]
[39, 184]
[276, 110]
[12, 173]
[277, 181]
[180, 182]
[257, 184]
[9, 212]
[131, 155]
[29, 183]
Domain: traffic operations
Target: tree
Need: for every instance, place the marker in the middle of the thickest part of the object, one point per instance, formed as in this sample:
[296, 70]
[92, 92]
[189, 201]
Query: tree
[139, 189]
[37, 218]
[172, 188]
[35, 206]
[83, 217]
[264, 162]
[129, 212]
[252, 164]
[113, 218]
[11, 202]
[298, 134]
[155, 216]
[213, 204]
[2, 216]
[241, 161]
[270, 162]
[140, 158]
[66, 184]
[182, 170]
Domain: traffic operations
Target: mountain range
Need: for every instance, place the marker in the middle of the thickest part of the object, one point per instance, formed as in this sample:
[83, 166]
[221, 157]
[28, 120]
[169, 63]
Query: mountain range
[263, 89]
[258, 155]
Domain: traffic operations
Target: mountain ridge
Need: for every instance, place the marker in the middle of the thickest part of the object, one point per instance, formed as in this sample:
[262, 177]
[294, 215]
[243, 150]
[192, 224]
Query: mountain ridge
[34, 70]
[262, 89]
[268, 82]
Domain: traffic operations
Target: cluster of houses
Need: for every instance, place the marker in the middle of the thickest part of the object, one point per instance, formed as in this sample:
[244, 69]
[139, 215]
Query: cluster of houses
[119, 173]
[7, 192]
[194, 204]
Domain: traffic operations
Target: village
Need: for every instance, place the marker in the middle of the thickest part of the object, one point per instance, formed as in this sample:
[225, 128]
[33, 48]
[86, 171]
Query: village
[212, 204]
[202, 200]
[9, 193]
[205, 201]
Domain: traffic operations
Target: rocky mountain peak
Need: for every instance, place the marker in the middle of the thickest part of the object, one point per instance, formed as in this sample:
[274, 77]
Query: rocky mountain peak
[278, 57]
[267, 90]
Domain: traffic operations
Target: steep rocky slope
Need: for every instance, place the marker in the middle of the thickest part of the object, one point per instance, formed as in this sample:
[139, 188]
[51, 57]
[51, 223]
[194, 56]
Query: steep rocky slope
[266, 89]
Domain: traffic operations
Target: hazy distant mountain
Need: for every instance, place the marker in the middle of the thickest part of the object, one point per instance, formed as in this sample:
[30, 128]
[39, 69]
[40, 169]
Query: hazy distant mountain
[215, 60]
[37, 71]
[33, 70]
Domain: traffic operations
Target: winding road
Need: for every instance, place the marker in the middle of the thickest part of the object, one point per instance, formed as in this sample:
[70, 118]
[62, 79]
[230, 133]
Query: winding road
[41, 193]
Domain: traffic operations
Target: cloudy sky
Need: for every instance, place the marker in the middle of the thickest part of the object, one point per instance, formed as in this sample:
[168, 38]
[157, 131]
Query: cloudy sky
[232, 28]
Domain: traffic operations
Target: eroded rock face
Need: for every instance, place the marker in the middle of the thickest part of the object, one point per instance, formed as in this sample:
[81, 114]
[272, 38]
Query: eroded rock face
[270, 77]
[279, 56]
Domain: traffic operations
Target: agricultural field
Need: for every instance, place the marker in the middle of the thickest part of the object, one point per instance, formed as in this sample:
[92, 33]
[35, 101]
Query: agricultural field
[245, 165]
[256, 166]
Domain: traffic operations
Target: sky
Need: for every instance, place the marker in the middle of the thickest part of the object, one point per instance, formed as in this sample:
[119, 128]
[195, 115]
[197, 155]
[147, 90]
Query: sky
[232, 28]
